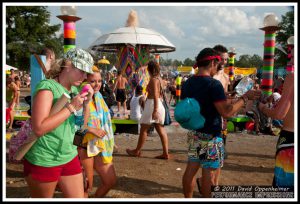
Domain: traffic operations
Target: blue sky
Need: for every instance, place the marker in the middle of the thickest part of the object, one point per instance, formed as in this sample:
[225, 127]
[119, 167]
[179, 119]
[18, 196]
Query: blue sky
[190, 28]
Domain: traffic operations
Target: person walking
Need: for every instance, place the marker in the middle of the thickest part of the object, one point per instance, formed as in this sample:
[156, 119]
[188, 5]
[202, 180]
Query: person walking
[53, 159]
[99, 140]
[120, 85]
[206, 148]
[154, 112]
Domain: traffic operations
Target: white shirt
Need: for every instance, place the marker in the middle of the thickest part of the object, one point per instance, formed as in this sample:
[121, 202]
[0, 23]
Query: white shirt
[135, 108]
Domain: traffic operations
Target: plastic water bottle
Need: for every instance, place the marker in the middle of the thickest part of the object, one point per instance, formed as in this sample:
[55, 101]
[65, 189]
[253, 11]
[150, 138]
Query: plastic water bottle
[244, 85]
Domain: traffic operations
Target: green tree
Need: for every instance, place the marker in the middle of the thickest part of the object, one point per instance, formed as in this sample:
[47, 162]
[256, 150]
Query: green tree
[256, 61]
[28, 31]
[286, 31]
[176, 63]
[249, 61]
[188, 62]
[243, 61]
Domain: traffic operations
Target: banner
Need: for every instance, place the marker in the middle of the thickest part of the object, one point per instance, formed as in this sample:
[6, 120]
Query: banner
[243, 71]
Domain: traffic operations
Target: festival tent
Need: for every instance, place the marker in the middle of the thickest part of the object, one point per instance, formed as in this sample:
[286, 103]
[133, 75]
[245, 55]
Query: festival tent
[242, 71]
[133, 46]
[132, 35]
[186, 70]
[8, 68]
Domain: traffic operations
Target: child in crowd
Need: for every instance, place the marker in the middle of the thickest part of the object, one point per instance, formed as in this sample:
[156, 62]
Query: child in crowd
[137, 104]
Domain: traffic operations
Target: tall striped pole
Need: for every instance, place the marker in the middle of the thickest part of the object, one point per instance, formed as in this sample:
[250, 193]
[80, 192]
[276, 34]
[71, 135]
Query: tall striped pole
[69, 18]
[231, 57]
[271, 26]
[290, 46]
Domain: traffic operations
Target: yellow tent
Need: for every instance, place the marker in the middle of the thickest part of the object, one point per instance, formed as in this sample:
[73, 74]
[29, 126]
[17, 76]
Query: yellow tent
[242, 71]
[184, 68]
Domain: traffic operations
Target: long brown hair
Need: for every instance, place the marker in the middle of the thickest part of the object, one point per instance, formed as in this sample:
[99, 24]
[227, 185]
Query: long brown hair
[153, 68]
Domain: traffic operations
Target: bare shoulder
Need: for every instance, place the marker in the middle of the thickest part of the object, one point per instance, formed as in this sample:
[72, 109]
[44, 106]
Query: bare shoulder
[226, 76]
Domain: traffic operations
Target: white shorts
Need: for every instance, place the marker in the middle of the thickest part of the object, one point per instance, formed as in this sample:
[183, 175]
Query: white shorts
[148, 111]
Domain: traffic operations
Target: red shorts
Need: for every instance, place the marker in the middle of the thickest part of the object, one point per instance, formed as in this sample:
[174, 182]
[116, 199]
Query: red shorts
[50, 174]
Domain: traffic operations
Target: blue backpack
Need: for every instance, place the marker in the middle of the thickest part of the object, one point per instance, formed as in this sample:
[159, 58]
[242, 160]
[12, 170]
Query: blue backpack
[187, 114]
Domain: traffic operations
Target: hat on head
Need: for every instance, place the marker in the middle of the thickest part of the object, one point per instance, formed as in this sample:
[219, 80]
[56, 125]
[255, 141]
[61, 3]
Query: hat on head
[81, 59]
[187, 114]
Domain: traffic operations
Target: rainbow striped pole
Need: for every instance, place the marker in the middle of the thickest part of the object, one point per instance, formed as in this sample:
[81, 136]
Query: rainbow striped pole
[271, 26]
[231, 63]
[290, 46]
[69, 18]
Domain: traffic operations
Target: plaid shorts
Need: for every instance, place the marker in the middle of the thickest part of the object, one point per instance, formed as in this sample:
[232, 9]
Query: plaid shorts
[208, 150]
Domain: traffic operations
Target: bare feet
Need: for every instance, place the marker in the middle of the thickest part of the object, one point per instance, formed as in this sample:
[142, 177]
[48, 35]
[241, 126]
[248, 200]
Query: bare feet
[133, 153]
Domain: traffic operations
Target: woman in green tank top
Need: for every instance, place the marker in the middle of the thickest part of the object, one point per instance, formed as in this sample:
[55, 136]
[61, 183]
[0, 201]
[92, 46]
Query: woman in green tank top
[53, 159]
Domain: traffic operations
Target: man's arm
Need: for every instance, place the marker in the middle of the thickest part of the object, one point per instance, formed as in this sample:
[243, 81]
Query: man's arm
[227, 110]
[116, 85]
[284, 103]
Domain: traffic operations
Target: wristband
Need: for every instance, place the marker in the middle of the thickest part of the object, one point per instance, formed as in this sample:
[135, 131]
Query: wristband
[73, 108]
[69, 108]
[245, 99]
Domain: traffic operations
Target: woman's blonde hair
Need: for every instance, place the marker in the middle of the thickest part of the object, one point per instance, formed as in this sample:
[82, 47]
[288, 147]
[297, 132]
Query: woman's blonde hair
[56, 68]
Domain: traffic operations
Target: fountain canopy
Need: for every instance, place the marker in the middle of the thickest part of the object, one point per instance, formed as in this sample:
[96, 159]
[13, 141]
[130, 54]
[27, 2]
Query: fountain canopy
[156, 42]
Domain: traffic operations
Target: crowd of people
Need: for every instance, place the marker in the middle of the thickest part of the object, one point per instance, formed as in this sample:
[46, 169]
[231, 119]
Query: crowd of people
[53, 161]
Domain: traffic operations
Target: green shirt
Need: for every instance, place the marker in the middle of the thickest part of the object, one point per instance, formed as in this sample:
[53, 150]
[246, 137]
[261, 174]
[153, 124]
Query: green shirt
[55, 147]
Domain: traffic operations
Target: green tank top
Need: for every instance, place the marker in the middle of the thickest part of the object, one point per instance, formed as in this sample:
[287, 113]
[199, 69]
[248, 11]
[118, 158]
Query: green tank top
[55, 147]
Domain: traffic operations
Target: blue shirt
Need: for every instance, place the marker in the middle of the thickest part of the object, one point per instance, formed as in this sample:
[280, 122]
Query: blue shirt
[206, 90]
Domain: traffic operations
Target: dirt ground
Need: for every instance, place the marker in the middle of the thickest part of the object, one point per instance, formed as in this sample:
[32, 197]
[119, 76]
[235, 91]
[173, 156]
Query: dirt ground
[250, 162]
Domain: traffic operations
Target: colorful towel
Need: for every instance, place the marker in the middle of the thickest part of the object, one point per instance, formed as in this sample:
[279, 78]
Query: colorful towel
[100, 118]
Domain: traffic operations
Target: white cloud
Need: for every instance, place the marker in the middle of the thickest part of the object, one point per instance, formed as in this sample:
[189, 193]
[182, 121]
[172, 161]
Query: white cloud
[227, 21]
[171, 26]
[144, 20]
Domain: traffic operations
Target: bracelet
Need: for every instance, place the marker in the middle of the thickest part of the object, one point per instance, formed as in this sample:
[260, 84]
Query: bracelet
[68, 108]
[245, 99]
[71, 108]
